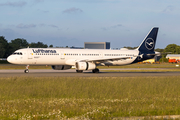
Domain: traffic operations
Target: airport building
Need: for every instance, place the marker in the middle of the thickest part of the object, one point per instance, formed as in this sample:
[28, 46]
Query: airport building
[97, 45]
[173, 58]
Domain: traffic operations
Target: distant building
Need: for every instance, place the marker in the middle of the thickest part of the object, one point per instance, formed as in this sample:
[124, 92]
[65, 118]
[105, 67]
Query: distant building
[173, 58]
[97, 45]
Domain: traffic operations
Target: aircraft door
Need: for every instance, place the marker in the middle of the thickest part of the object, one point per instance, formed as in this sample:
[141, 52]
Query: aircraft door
[62, 55]
[101, 55]
[30, 54]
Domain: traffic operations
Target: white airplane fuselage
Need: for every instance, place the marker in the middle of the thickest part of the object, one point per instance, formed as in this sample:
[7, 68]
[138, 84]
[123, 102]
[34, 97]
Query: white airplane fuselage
[85, 59]
[58, 56]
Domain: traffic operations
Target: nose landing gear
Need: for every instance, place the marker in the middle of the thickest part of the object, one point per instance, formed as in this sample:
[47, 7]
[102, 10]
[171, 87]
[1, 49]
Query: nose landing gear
[27, 69]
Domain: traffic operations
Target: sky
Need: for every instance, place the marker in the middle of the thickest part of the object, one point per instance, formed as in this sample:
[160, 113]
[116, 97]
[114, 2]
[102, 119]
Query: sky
[73, 22]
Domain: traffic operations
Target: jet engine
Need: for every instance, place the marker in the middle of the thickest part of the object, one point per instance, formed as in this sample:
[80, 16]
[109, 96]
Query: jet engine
[85, 66]
[61, 67]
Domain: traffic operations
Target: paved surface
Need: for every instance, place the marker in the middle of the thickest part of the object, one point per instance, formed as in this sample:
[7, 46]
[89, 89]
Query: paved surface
[72, 73]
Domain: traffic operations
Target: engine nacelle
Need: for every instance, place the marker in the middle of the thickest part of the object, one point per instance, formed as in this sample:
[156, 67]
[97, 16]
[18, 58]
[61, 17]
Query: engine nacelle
[61, 67]
[85, 66]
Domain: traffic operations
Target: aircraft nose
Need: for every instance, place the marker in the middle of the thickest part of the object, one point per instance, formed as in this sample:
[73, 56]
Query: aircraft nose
[10, 59]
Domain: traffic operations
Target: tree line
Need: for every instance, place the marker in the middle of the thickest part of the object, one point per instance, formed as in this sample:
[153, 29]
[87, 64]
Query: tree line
[7, 48]
[169, 49]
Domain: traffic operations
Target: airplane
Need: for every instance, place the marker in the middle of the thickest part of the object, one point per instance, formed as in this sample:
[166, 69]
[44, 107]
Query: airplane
[85, 59]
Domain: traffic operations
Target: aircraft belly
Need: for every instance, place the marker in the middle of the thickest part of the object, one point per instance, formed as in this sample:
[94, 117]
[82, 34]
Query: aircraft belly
[50, 62]
[120, 62]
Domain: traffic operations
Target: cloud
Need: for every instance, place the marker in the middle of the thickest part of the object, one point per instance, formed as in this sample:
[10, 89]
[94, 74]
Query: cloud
[42, 25]
[94, 1]
[44, 11]
[169, 8]
[14, 4]
[54, 26]
[112, 27]
[39, 1]
[22, 26]
[26, 26]
[9, 34]
[73, 10]
[116, 26]
[104, 28]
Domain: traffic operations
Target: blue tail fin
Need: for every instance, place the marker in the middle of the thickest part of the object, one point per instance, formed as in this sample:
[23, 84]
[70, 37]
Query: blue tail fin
[149, 42]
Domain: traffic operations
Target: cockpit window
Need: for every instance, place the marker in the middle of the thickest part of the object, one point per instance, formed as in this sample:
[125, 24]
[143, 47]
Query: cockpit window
[17, 53]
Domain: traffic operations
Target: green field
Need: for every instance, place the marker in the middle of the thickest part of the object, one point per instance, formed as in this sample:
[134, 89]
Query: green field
[162, 65]
[88, 97]
[136, 65]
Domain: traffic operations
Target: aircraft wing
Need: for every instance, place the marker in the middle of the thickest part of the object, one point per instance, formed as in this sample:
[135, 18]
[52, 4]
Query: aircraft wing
[101, 60]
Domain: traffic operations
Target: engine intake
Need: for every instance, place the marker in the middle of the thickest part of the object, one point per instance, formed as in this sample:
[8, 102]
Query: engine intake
[85, 66]
[61, 67]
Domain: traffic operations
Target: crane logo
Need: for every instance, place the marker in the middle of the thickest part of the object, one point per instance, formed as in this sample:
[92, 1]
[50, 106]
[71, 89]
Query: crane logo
[149, 43]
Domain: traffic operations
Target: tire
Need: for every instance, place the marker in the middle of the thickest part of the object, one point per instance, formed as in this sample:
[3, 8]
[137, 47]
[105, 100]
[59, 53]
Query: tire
[95, 70]
[26, 71]
[79, 71]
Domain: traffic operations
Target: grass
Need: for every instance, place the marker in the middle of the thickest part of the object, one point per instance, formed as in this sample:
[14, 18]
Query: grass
[136, 65]
[162, 65]
[88, 97]
[166, 67]
[154, 70]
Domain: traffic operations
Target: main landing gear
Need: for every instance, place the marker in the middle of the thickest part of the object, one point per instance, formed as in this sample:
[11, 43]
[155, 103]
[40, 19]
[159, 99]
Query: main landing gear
[95, 70]
[27, 69]
[79, 71]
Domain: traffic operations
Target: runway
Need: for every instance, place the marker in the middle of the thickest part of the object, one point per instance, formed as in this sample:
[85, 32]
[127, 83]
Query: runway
[72, 73]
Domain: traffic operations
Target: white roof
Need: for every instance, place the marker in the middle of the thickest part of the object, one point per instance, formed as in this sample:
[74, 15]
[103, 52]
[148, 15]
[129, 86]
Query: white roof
[172, 55]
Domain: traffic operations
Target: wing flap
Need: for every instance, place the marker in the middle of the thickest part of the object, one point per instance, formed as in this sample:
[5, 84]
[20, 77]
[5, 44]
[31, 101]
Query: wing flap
[100, 60]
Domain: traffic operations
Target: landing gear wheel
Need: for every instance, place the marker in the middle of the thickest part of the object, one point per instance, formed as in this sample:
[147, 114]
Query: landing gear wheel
[26, 71]
[95, 70]
[79, 71]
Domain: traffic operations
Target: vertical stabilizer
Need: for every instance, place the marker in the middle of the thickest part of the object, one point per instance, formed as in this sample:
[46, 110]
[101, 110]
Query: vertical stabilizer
[149, 42]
